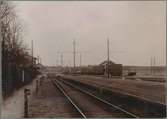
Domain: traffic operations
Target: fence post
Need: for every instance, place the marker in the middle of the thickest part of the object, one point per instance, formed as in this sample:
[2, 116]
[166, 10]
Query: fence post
[23, 76]
[26, 93]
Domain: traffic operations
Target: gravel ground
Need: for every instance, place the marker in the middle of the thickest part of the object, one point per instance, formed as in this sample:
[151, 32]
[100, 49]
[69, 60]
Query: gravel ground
[91, 107]
[50, 102]
[151, 91]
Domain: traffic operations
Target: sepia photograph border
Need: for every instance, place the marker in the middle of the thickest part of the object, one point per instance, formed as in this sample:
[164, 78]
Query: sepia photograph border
[1, 100]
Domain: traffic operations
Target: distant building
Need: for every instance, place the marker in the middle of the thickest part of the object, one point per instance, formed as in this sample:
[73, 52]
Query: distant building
[114, 69]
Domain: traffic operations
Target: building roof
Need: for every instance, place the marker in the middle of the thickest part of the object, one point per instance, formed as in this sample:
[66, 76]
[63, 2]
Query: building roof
[106, 62]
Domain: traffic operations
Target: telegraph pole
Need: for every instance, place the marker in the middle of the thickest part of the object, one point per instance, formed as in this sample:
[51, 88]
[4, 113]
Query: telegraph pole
[32, 48]
[38, 59]
[80, 59]
[74, 51]
[61, 59]
[56, 62]
[108, 58]
[154, 65]
[151, 65]
[69, 63]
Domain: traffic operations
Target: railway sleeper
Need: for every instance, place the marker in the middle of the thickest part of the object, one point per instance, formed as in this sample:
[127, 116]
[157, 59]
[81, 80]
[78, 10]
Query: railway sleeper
[140, 107]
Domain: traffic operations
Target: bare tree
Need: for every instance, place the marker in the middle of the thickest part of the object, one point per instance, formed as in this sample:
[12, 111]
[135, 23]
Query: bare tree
[14, 52]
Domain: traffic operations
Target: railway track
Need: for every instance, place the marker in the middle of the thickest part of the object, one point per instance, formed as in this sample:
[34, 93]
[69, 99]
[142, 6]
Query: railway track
[89, 105]
[136, 106]
[81, 114]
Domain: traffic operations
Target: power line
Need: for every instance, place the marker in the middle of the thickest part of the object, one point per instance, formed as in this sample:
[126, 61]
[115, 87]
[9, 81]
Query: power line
[74, 52]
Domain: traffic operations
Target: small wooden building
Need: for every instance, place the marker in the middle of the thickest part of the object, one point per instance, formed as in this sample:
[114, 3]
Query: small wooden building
[114, 69]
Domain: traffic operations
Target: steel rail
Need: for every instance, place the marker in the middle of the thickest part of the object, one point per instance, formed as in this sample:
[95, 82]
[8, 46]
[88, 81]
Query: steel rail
[101, 100]
[68, 97]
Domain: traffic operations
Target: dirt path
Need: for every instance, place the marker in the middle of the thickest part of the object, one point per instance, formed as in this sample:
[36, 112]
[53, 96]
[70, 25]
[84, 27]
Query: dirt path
[13, 107]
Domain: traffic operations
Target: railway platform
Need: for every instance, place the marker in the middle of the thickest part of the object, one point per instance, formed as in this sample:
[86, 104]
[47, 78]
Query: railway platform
[144, 90]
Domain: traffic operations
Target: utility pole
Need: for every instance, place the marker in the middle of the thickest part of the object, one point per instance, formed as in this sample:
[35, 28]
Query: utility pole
[108, 58]
[69, 63]
[38, 59]
[61, 56]
[32, 48]
[74, 51]
[154, 65]
[56, 62]
[80, 59]
[151, 66]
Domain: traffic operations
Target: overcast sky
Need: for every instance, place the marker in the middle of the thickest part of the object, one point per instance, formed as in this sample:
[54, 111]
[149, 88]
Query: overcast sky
[136, 30]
